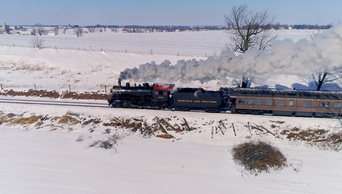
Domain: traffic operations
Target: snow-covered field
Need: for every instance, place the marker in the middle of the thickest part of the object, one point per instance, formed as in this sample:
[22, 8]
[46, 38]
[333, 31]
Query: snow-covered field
[65, 60]
[41, 160]
[49, 156]
[197, 44]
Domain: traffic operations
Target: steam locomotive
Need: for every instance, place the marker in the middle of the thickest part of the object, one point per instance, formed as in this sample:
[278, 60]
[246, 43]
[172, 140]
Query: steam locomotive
[236, 100]
[164, 96]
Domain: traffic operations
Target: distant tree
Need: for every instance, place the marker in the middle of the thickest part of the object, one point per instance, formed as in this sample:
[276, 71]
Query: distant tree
[114, 29]
[38, 29]
[78, 31]
[91, 29]
[248, 29]
[38, 42]
[56, 30]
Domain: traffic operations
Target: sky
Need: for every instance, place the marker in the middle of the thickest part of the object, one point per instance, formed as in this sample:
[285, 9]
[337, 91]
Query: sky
[162, 12]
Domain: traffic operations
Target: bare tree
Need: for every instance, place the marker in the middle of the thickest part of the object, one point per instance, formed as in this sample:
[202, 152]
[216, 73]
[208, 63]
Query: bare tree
[78, 31]
[91, 29]
[114, 29]
[325, 76]
[38, 42]
[38, 29]
[56, 30]
[248, 29]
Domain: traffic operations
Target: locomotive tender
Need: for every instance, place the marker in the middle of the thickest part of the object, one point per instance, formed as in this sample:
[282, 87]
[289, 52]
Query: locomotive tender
[200, 99]
[237, 100]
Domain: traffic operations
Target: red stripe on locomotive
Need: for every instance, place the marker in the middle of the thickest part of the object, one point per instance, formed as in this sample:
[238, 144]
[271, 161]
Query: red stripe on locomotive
[163, 87]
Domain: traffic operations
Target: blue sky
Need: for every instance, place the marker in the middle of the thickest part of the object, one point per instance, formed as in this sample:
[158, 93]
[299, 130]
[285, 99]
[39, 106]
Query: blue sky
[162, 12]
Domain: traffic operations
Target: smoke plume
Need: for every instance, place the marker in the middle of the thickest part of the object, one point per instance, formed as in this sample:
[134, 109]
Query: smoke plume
[302, 58]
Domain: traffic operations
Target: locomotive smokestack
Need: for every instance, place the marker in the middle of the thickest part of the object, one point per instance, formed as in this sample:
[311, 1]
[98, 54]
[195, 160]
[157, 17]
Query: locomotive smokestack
[119, 82]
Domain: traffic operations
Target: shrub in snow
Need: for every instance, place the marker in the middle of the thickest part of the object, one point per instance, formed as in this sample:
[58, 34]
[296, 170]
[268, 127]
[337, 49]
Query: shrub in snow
[37, 42]
[258, 156]
[106, 144]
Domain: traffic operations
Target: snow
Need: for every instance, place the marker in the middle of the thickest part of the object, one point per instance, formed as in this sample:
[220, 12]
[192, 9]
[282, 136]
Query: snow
[44, 161]
[41, 160]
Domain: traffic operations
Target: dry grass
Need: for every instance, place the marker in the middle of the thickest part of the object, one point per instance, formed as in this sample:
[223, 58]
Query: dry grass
[320, 138]
[92, 121]
[159, 128]
[278, 122]
[55, 94]
[165, 136]
[26, 120]
[258, 156]
[308, 135]
[66, 119]
[332, 142]
[30, 68]
[34, 93]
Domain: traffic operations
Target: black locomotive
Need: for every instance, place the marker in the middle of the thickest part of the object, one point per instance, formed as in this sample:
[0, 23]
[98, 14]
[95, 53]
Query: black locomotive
[237, 100]
[163, 96]
[141, 96]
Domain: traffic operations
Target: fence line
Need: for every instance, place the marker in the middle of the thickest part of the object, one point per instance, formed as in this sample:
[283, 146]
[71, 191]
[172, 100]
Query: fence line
[70, 88]
[148, 52]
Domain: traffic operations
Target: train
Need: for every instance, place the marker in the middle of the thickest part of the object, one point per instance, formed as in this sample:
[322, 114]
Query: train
[235, 100]
[286, 102]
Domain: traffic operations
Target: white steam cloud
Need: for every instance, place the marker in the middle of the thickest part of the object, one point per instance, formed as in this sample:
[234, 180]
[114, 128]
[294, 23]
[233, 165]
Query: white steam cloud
[301, 58]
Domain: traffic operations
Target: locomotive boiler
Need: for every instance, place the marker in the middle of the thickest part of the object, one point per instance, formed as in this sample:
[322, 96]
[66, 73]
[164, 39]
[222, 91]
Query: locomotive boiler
[141, 96]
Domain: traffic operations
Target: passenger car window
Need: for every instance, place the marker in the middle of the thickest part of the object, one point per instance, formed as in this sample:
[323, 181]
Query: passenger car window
[338, 105]
[250, 101]
[307, 104]
[257, 101]
[281, 102]
[291, 103]
[268, 102]
[324, 104]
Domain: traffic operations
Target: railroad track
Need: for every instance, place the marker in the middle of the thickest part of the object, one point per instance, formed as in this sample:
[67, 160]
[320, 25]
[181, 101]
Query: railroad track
[74, 103]
[53, 102]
